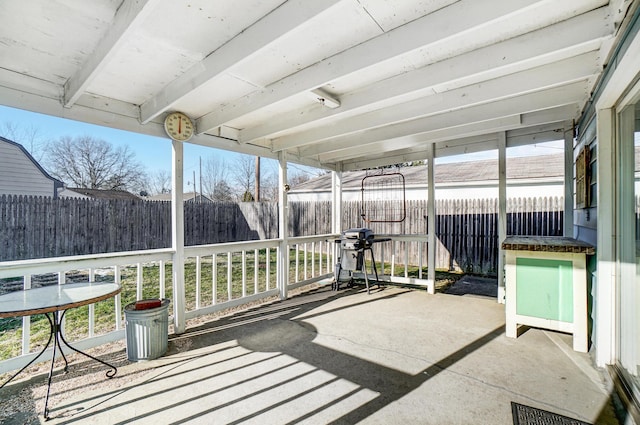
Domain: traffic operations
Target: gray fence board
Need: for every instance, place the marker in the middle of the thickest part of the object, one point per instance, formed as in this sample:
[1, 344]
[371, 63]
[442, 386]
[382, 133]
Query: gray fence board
[38, 227]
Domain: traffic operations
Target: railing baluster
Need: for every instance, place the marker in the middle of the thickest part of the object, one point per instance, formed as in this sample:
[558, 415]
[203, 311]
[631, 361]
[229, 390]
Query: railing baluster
[244, 273]
[162, 280]
[117, 278]
[268, 267]
[420, 260]
[26, 320]
[297, 262]
[92, 307]
[256, 269]
[313, 259]
[406, 259]
[198, 282]
[229, 275]
[393, 258]
[139, 293]
[305, 261]
[214, 278]
[320, 258]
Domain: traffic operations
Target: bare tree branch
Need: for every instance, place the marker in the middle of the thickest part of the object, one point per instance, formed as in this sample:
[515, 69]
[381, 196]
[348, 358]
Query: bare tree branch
[95, 164]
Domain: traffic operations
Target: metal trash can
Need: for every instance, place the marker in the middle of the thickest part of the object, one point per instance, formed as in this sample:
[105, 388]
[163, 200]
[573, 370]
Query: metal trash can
[147, 331]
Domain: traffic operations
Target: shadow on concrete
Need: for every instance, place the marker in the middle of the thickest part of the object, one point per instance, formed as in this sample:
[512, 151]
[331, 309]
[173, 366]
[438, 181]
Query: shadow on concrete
[474, 285]
[286, 341]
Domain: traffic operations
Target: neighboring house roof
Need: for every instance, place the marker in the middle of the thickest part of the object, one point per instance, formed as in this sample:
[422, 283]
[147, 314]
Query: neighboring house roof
[65, 192]
[21, 174]
[106, 194]
[542, 167]
[187, 197]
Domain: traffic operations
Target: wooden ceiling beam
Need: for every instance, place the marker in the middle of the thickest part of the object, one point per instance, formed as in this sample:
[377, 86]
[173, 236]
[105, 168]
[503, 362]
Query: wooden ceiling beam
[457, 18]
[279, 22]
[553, 43]
[130, 16]
[540, 78]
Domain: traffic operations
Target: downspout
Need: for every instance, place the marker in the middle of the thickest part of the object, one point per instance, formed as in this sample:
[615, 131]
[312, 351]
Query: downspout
[177, 236]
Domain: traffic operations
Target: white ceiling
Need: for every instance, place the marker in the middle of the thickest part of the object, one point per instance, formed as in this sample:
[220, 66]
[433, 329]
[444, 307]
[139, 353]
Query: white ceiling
[402, 73]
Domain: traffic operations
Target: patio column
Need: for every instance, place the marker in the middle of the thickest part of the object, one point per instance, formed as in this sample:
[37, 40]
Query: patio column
[336, 198]
[502, 210]
[177, 236]
[605, 291]
[336, 210]
[283, 227]
[568, 182]
[431, 220]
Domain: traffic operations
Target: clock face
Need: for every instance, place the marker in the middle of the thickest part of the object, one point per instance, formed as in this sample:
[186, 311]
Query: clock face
[178, 126]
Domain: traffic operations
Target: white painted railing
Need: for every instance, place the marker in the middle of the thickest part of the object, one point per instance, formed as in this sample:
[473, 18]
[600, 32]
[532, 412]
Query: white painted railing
[220, 276]
[387, 253]
[249, 270]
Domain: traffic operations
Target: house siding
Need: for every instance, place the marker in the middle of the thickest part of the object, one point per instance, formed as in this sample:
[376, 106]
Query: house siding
[586, 219]
[20, 176]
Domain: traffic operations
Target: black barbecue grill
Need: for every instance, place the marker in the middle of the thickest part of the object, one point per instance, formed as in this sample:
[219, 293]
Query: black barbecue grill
[353, 244]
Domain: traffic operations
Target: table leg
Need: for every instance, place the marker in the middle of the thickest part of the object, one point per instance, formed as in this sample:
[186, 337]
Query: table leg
[56, 331]
[110, 373]
[36, 357]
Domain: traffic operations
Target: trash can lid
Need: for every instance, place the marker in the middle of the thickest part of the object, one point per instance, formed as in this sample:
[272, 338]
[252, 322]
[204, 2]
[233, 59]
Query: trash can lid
[147, 304]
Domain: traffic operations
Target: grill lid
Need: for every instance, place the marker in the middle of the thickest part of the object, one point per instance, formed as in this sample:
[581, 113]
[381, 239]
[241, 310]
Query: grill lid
[360, 233]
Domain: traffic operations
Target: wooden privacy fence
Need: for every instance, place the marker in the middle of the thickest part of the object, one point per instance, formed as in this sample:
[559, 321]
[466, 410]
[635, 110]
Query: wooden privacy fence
[467, 230]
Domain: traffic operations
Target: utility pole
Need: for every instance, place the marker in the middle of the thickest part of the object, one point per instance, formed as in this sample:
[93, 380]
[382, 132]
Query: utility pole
[200, 179]
[257, 197]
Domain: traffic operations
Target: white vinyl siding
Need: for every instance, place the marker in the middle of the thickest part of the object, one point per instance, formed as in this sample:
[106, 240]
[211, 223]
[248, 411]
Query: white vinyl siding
[20, 176]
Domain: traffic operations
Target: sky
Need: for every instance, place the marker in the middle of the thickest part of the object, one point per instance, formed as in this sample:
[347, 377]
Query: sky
[155, 152]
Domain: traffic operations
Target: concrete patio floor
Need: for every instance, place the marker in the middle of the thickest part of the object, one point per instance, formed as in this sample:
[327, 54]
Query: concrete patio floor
[395, 356]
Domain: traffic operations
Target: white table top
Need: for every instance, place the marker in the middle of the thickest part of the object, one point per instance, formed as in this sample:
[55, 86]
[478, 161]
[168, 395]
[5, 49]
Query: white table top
[55, 298]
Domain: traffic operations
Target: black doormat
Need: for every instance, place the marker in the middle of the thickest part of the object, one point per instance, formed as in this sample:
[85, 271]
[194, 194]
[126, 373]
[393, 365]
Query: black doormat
[527, 415]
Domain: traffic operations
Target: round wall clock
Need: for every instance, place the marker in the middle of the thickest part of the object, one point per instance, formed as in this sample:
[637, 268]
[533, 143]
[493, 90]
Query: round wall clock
[178, 126]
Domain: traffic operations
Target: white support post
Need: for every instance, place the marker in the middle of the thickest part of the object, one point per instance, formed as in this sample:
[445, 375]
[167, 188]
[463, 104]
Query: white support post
[336, 212]
[502, 211]
[568, 182]
[605, 299]
[283, 228]
[431, 220]
[177, 236]
[336, 194]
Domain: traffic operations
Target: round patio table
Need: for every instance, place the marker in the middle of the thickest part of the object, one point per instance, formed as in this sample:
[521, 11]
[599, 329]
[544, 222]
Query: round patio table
[54, 301]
